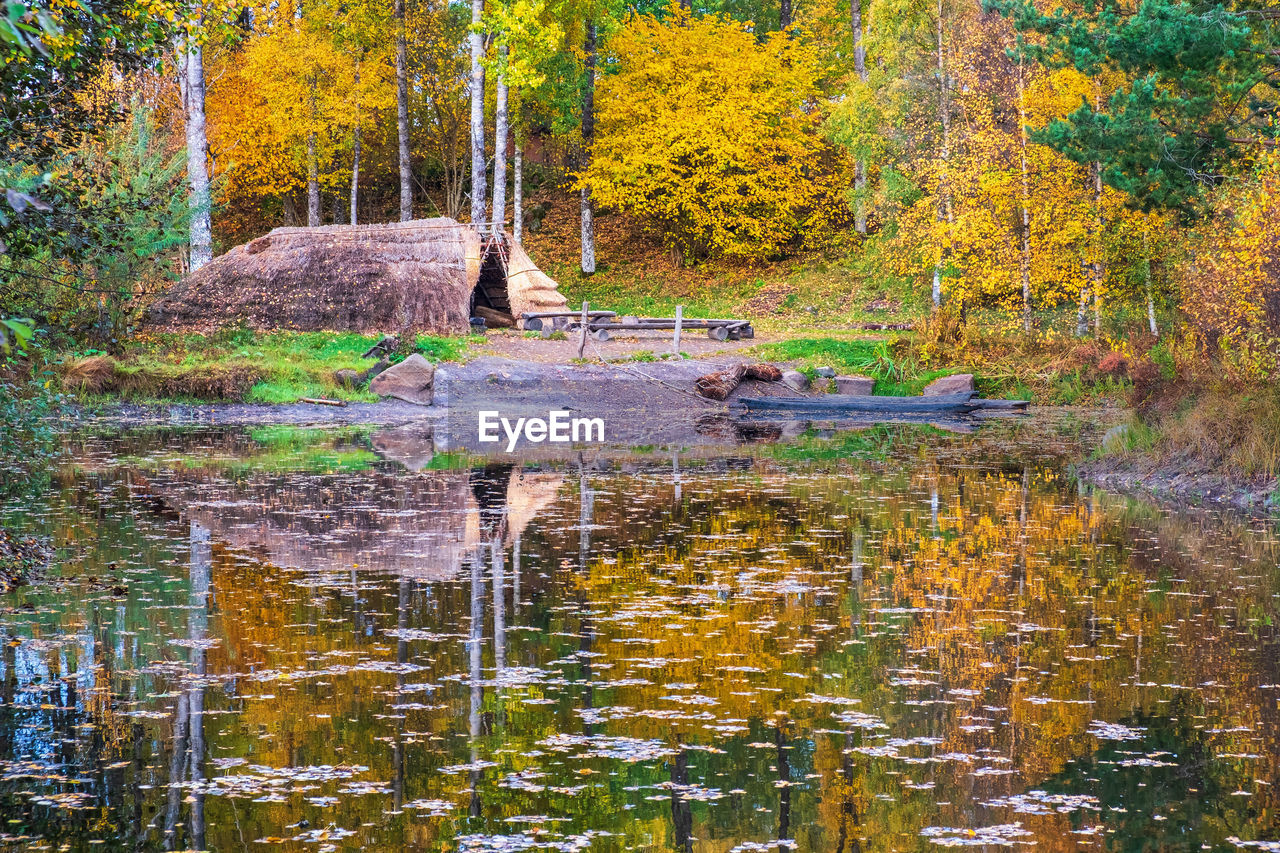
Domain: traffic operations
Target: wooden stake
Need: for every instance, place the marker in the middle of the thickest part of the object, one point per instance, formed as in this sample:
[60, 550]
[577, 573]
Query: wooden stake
[582, 339]
[675, 343]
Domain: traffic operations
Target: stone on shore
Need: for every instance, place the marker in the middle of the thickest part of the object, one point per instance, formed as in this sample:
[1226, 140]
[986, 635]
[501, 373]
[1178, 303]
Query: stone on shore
[795, 380]
[856, 385]
[957, 383]
[411, 380]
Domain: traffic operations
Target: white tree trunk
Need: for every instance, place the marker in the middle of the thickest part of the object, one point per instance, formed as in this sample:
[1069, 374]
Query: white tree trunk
[500, 153]
[944, 161]
[586, 207]
[1151, 304]
[314, 217]
[860, 66]
[478, 171]
[402, 116]
[1024, 259]
[517, 190]
[355, 173]
[355, 158]
[200, 201]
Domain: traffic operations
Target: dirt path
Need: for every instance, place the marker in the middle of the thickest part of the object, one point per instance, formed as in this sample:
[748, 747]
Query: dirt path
[514, 345]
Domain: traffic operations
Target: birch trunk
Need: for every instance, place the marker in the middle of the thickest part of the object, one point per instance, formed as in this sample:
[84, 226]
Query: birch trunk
[1099, 259]
[860, 66]
[478, 172]
[1146, 269]
[402, 116]
[944, 157]
[500, 152]
[355, 173]
[355, 158]
[784, 14]
[1024, 260]
[585, 205]
[517, 193]
[313, 184]
[199, 200]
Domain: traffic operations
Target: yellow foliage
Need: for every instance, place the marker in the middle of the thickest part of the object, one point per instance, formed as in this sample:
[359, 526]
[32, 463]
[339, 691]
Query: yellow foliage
[709, 136]
[1231, 290]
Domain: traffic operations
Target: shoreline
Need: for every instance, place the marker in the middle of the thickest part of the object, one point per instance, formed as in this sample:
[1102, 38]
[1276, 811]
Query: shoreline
[1168, 483]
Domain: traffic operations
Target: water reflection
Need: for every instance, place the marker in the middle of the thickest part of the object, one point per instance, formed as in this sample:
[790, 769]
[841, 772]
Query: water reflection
[890, 639]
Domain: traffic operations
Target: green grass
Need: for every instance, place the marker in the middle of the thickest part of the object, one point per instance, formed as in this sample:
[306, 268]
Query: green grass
[895, 374]
[291, 365]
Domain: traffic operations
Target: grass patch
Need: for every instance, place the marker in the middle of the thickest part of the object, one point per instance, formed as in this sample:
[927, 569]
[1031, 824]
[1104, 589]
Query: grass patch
[887, 360]
[238, 364]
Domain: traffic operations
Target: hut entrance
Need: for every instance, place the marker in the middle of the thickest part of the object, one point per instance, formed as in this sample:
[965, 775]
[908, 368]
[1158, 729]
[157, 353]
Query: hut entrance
[491, 299]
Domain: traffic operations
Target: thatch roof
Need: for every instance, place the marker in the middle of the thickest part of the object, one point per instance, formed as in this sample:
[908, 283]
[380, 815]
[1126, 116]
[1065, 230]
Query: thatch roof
[529, 289]
[401, 276]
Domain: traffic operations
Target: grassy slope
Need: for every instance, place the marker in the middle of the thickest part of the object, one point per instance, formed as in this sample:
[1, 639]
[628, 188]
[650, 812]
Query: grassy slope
[833, 289]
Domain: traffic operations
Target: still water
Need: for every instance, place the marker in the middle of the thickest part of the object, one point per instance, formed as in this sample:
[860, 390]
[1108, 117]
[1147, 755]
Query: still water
[889, 639]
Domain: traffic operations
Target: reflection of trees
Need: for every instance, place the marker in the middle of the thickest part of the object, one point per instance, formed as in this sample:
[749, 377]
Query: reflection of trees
[996, 610]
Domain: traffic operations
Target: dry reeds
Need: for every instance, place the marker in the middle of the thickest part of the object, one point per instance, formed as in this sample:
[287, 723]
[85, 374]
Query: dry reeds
[101, 374]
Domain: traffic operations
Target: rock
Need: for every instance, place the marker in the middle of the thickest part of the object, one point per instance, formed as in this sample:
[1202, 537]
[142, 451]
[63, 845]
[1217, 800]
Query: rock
[825, 372]
[795, 380]
[386, 346]
[411, 380]
[957, 383]
[346, 378]
[373, 371]
[857, 385]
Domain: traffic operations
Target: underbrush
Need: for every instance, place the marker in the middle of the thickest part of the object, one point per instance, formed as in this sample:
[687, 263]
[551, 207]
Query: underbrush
[1044, 369]
[236, 364]
[1225, 431]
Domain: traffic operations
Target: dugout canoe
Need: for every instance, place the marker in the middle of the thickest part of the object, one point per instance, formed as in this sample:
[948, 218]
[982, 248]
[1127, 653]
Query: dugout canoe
[835, 403]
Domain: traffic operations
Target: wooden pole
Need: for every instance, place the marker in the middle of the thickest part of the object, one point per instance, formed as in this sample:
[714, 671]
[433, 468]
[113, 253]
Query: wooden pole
[675, 342]
[582, 339]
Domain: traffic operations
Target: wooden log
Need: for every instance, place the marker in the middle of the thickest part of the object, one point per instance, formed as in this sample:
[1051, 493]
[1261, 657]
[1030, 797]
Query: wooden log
[764, 372]
[495, 319]
[321, 401]
[718, 333]
[600, 335]
[719, 385]
[582, 339]
[529, 315]
[835, 403]
[675, 340]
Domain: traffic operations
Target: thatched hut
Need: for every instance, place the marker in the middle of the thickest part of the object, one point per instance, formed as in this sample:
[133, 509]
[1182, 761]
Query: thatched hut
[427, 275]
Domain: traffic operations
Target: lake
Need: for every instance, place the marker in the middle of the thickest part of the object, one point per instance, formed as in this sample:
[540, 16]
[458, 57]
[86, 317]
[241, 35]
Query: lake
[895, 638]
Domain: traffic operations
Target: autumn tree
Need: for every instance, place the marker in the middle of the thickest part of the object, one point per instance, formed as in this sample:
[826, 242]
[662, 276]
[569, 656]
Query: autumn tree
[708, 136]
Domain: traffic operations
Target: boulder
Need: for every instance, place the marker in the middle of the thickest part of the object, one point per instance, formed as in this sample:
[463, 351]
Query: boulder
[957, 383]
[857, 385]
[346, 378]
[411, 380]
[825, 372]
[795, 380]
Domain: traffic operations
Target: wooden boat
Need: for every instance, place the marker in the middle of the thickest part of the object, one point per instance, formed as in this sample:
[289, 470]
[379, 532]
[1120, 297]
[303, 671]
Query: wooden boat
[836, 403]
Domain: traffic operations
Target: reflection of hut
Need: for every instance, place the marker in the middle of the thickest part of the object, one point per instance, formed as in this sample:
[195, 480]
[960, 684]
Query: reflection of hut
[424, 275]
[528, 493]
[421, 526]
